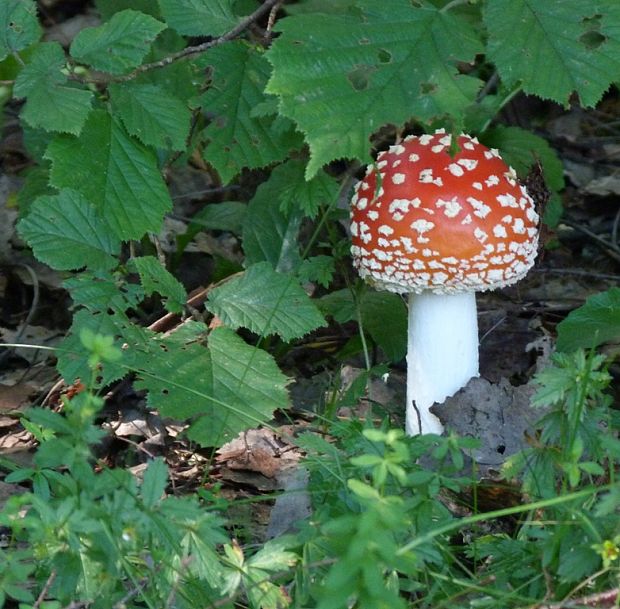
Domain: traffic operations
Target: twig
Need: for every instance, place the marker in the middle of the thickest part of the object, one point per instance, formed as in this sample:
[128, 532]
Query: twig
[272, 19]
[33, 307]
[611, 249]
[45, 590]
[200, 48]
[452, 4]
[599, 600]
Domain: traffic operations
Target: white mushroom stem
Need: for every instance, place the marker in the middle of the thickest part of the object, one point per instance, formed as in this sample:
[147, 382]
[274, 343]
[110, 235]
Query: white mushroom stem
[442, 354]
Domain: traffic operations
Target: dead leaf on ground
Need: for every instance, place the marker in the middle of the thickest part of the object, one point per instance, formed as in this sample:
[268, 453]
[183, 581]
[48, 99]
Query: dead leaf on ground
[496, 414]
[258, 450]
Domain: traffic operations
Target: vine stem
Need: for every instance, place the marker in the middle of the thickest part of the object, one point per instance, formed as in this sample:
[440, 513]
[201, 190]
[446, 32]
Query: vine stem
[452, 4]
[200, 48]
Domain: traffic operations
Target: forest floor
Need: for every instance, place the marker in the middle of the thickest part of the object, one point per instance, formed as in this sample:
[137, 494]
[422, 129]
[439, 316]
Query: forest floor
[579, 257]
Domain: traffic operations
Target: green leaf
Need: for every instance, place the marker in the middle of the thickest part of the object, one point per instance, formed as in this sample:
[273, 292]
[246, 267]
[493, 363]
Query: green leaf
[155, 278]
[266, 302]
[154, 482]
[19, 26]
[521, 149]
[66, 232]
[294, 192]
[150, 113]
[227, 216]
[269, 233]
[35, 184]
[107, 8]
[319, 269]
[118, 45]
[199, 17]
[384, 317]
[246, 380]
[237, 139]
[72, 359]
[546, 46]
[594, 323]
[52, 104]
[115, 172]
[103, 291]
[227, 387]
[340, 77]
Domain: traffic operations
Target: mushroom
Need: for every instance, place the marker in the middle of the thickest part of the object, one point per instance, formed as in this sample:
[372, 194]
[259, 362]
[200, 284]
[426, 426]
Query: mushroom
[441, 227]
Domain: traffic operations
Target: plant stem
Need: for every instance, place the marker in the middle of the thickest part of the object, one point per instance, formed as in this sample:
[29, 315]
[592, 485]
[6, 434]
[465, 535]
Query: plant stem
[200, 48]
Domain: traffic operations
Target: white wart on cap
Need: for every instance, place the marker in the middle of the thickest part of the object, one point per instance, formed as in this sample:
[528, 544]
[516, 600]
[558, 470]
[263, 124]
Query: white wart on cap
[424, 220]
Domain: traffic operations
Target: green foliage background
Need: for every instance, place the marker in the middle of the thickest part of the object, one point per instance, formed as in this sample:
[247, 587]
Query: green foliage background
[158, 84]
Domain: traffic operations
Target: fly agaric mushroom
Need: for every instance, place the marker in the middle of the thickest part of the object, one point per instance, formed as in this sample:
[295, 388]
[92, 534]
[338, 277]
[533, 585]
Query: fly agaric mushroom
[441, 228]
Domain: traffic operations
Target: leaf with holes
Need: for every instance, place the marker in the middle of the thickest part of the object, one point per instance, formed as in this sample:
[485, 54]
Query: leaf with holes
[19, 26]
[266, 303]
[236, 138]
[115, 172]
[66, 232]
[340, 77]
[150, 113]
[155, 278]
[51, 103]
[556, 48]
[118, 45]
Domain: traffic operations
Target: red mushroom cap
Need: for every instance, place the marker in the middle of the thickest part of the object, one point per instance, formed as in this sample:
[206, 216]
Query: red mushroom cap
[424, 220]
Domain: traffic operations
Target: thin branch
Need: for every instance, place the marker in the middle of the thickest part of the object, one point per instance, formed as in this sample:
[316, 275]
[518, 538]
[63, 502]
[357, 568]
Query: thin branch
[45, 590]
[611, 249]
[599, 600]
[200, 48]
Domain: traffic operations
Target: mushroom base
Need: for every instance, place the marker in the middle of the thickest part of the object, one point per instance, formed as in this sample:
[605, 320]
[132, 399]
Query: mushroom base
[442, 354]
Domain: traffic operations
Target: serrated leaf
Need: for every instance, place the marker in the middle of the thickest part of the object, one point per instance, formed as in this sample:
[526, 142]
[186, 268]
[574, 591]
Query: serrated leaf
[246, 379]
[269, 233]
[66, 232]
[51, 103]
[297, 193]
[72, 358]
[107, 8]
[545, 46]
[226, 388]
[35, 184]
[155, 278]
[594, 323]
[154, 482]
[227, 216]
[115, 172]
[155, 116]
[342, 76]
[338, 304]
[521, 149]
[199, 17]
[19, 26]
[237, 139]
[319, 269]
[266, 302]
[181, 78]
[103, 291]
[118, 45]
